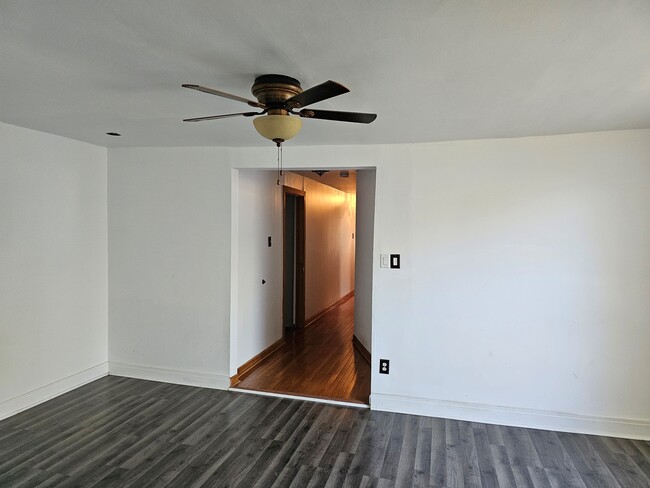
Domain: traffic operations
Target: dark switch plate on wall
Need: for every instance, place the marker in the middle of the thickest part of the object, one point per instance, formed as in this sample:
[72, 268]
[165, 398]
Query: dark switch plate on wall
[394, 261]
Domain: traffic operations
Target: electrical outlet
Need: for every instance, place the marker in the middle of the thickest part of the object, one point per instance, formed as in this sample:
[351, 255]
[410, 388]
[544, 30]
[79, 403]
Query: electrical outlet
[384, 366]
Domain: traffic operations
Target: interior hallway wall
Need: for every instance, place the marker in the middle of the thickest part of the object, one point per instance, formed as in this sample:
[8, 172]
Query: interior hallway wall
[365, 211]
[53, 266]
[329, 243]
[260, 304]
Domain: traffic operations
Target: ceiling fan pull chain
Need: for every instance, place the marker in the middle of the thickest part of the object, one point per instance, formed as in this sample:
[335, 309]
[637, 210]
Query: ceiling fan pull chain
[279, 172]
[278, 142]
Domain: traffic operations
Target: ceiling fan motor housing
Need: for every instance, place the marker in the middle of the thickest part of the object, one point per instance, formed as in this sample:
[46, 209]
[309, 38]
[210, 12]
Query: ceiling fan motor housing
[279, 96]
[274, 90]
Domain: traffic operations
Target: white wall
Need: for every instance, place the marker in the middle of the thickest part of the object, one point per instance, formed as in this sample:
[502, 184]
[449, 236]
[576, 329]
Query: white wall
[525, 277]
[260, 305]
[53, 266]
[169, 264]
[329, 246]
[365, 258]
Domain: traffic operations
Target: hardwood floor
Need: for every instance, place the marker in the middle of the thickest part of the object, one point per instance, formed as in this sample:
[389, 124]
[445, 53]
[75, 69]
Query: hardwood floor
[122, 432]
[318, 361]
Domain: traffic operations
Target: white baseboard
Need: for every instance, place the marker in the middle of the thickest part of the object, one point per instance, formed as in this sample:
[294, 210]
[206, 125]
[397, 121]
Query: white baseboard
[165, 375]
[44, 393]
[516, 417]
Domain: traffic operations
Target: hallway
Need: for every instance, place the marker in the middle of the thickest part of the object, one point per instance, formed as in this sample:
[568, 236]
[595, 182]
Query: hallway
[319, 361]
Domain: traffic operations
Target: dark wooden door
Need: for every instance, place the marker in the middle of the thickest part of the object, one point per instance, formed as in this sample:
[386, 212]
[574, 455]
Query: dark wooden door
[293, 299]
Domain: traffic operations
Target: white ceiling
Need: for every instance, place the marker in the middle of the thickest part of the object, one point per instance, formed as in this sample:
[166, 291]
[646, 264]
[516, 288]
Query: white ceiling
[431, 70]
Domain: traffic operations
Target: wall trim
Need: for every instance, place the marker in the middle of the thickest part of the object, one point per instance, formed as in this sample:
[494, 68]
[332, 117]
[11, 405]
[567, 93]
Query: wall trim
[515, 417]
[44, 393]
[249, 366]
[365, 354]
[166, 375]
[338, 302]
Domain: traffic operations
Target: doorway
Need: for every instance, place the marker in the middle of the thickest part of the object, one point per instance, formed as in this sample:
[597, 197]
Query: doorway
[293, 269]
[310, 269]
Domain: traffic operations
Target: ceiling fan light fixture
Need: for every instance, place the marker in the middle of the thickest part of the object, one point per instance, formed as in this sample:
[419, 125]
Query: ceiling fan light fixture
[277, 127]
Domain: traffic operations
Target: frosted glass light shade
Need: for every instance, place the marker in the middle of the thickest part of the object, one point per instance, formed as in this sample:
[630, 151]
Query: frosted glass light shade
[278, 127]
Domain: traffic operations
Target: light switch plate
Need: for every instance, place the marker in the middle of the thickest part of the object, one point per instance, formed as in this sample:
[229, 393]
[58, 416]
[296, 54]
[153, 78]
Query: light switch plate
[384, 261]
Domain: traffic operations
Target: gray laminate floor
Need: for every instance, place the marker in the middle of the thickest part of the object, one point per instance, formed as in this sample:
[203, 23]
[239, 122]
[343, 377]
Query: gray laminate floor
[125, 432]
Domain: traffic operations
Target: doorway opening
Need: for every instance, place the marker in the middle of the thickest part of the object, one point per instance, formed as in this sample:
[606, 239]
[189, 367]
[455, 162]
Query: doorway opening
[320, 275]
[293, 268]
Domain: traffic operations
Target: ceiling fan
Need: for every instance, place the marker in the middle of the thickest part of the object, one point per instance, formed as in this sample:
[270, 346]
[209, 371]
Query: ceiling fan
[282, 101]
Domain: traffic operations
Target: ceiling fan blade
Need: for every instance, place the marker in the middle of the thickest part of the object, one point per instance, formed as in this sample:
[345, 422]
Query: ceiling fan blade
[219, 93]
[317, 93]
[223, 116]
[358, 117]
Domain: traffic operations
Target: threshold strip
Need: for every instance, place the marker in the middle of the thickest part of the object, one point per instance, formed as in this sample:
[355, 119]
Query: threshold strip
[299, 397]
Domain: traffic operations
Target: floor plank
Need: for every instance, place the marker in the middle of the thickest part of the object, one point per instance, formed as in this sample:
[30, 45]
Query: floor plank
[318, 361]
[121, 432]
